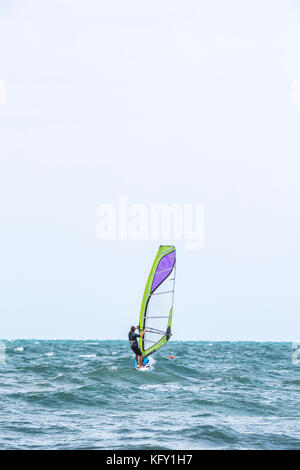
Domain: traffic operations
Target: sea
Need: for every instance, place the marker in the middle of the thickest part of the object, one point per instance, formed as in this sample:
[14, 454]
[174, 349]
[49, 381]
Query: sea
[87, 395]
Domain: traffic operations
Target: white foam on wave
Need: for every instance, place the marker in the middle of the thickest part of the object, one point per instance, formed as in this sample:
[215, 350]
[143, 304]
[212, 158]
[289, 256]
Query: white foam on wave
[87, 355]
[160, 387]
[144, 369]
[112, 368]
[171, 387]
[50, 354]
[19, 349]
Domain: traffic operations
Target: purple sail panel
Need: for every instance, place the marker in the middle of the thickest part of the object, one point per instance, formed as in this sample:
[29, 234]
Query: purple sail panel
[163, 269]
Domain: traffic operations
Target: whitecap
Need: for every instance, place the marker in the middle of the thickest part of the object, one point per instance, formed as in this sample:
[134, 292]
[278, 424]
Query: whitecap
[160, 387]
[19, 349]
[87, 355]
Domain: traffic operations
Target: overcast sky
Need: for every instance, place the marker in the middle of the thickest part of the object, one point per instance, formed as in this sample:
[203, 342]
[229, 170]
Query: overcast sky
[162, 102]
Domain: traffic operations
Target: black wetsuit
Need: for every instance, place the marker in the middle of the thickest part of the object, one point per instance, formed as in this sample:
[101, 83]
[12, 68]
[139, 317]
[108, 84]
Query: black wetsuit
[133, 343]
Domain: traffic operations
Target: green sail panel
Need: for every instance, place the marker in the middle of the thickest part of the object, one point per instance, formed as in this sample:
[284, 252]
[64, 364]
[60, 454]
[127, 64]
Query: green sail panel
[157, 305]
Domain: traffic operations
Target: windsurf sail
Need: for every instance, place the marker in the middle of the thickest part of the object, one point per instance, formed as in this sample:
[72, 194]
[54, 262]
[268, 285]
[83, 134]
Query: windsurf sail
[157, 305]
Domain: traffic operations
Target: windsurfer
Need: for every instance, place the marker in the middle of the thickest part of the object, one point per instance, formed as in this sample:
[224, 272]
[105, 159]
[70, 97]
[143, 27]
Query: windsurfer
[132, 336]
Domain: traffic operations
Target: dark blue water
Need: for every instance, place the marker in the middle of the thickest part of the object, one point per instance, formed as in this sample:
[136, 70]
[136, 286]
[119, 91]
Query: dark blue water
[86, 395]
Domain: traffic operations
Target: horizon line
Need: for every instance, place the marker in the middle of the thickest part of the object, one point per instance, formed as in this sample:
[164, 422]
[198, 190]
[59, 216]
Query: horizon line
[173, 341]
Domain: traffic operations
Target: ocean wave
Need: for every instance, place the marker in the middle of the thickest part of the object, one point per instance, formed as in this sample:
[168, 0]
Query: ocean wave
[213, 395]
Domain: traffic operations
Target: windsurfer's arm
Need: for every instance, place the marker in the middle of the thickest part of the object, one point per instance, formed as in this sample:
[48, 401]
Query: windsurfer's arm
[142, 333]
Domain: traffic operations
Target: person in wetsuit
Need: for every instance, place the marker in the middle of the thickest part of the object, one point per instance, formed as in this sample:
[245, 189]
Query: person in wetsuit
[132, 336]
